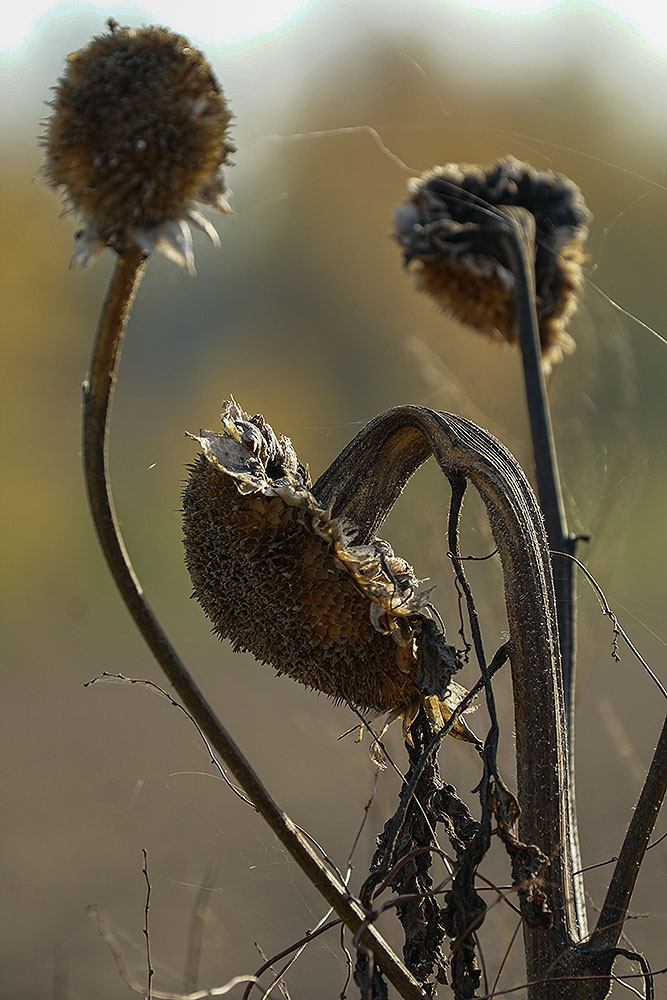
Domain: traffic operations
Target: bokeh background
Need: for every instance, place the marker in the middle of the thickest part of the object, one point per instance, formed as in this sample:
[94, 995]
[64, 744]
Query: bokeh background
[307, 316]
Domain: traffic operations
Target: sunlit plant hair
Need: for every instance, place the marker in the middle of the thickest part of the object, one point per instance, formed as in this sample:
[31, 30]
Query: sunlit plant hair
[137, 137]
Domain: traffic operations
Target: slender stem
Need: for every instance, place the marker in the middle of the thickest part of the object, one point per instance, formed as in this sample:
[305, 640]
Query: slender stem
[97, 397]
[521, 244]
[635, 844]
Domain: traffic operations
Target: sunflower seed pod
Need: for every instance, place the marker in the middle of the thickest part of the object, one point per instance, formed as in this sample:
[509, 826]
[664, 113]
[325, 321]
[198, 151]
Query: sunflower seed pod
[138, 137]
[283, 579]
[448, 229]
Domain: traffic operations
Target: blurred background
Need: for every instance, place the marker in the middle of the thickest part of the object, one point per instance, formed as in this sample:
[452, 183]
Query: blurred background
[306, 316]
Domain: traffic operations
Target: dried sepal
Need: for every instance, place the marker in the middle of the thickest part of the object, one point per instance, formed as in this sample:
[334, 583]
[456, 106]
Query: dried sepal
[137, 138]
[282, 578]
[449, 228]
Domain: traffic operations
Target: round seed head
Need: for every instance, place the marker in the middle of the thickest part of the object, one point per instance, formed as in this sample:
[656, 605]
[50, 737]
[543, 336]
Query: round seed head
[284, 580]
[448, 230]
[138, 136]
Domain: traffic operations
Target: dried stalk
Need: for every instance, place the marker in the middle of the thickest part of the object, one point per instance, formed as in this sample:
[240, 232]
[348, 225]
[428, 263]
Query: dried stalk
[389, 450]
[98, 392]
[520, 239]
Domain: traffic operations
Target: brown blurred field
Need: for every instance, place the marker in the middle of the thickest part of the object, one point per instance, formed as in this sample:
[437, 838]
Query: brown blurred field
[306, 316]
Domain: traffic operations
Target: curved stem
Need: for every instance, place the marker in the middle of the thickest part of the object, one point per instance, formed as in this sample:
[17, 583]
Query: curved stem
[97, 397]
[393, 446]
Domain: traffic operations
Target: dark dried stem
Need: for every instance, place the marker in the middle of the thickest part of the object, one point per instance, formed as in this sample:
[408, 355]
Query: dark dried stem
[374, 885]
[97, 397]
[306, 939]
[520, 240]
[394, 445]
[635, 845]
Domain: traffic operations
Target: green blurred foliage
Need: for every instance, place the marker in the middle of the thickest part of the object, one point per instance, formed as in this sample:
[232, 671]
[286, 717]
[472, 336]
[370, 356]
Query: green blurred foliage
[306, 316]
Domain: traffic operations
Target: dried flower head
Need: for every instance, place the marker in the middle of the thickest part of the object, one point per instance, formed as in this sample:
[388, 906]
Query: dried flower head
[137, 137]
[283, 579]
[447, 230]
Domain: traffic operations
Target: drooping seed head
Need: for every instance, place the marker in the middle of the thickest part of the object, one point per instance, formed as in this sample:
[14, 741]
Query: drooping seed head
[446, 228]
[283, 579]
[137, 137]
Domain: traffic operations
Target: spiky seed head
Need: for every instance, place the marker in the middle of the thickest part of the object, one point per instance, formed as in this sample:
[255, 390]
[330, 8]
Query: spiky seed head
[445, 230]
[284, 580]
[137, 137]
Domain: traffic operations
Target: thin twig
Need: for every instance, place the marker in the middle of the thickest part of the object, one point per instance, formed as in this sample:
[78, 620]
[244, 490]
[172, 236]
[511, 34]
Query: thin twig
[107, 677]
[97, 914]
[617, 627]
[306, 939]
[505, 957]
[281, 985]
[567, 979]
[364, 819]
[348, 963]
[482, 960]
[150, 971]
[610, 861]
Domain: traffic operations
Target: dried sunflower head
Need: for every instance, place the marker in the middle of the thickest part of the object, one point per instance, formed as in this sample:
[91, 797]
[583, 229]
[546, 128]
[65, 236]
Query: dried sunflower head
[138, 137]
[283, 579]
[446, 228]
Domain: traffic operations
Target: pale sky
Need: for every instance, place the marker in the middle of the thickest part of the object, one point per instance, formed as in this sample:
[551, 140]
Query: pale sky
[219, 21]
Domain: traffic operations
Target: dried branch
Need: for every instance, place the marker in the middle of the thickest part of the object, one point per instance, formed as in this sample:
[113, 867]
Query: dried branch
[107, 677]
[505, 957]
[150, 971]
[635, 845]
[306, 939]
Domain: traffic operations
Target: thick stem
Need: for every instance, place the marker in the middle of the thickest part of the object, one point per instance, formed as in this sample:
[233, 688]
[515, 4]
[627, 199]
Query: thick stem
[521, 245]
[393, 446]
[591, 963]
[97, 397]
